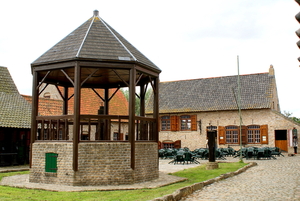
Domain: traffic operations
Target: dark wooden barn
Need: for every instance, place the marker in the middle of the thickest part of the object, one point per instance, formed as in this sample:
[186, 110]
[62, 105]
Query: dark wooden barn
[15, 118]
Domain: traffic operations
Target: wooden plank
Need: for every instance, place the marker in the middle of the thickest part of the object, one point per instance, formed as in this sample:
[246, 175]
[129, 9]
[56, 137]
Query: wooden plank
[152, 72]
[281, 144]
[106, 64]
[52, 66]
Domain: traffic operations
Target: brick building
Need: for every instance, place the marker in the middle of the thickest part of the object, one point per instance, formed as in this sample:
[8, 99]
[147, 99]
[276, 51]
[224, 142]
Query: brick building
[190, 108]
[51, 103]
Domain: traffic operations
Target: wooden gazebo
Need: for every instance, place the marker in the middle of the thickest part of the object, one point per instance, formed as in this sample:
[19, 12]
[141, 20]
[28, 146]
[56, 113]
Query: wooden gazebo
[76, 148]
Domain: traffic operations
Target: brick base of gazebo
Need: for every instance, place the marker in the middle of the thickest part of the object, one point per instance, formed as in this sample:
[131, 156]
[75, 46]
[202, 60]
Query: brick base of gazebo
[99, 163]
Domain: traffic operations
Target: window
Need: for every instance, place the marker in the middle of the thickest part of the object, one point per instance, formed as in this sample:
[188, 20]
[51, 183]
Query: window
[214, 128]
[232, 134]
[185, 122]
[51, 162]
[116, 136]
[253, 134]
[47, 95]
[178, 123]
[165, 123]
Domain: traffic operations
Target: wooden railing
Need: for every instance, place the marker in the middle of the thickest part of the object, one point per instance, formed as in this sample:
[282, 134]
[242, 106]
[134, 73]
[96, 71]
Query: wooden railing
[94, 128]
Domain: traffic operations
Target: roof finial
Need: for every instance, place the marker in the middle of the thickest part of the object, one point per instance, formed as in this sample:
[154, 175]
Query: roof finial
[271, 70]
[96, 12]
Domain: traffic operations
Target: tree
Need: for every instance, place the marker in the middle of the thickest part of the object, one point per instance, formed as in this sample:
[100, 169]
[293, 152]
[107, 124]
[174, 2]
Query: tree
[289, 115]
[137, 99]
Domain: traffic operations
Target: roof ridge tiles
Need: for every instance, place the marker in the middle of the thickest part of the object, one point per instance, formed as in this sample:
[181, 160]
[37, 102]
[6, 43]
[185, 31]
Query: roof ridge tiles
[206, 78]
[118, 39]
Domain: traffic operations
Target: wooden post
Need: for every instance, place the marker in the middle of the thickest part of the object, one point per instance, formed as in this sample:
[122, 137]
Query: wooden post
[131, 131]
[143, 124]
[66, 97]
[142, 100]
[76, 125]
[106, 111]
[34, 113]
[156, 108]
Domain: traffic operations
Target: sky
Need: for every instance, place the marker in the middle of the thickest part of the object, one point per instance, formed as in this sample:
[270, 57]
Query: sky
[186, 39]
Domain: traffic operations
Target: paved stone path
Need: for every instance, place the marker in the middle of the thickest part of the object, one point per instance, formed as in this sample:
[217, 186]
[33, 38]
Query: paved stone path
[22, 181]
[270, 180]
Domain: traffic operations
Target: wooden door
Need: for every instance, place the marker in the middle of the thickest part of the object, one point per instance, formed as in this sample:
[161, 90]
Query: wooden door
[281, 140]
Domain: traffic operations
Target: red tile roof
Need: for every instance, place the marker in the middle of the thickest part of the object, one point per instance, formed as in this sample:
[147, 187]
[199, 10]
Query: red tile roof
[90, 102]
[47, 107]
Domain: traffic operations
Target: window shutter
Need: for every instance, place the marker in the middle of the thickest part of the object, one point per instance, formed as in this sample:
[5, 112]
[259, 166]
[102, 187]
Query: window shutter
[159, 145]
[121, 136]
[174, 123]
[194, 122]
[244, 134]
[159, 124]
[221, 132]
[177, 144]
[51, 162]
[264, 134]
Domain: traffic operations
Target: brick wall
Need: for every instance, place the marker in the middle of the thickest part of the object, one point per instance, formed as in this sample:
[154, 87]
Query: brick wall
[98, 163]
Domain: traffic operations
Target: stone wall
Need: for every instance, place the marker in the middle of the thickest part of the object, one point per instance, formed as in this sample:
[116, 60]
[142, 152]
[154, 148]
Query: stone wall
[65, 173]
[98, 163]
[197, 139]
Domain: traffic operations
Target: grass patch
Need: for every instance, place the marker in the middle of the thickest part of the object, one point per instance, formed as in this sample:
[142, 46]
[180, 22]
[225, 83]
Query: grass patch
[194, 175]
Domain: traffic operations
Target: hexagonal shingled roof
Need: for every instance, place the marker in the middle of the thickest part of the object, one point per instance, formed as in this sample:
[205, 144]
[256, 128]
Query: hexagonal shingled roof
[94, 40]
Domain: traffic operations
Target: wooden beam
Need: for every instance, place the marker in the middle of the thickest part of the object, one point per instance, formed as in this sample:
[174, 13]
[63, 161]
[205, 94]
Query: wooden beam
[98, 94]
[142, 100]
[120, 77]
[42, 89]
[108, 65]
[68, 77]
[65, 99]
[139, 78]
[52, 66]
[113, 94]
[41, 82]
[106, 112]
[61, 95]
[106, 102]
[86, 79]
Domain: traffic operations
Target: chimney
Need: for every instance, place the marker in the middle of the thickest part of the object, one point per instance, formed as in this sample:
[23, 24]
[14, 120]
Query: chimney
[271, 70]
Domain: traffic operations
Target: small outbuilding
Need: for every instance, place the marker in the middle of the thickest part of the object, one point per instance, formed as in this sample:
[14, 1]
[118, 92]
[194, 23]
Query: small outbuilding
[15, 122]
[94, 56]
